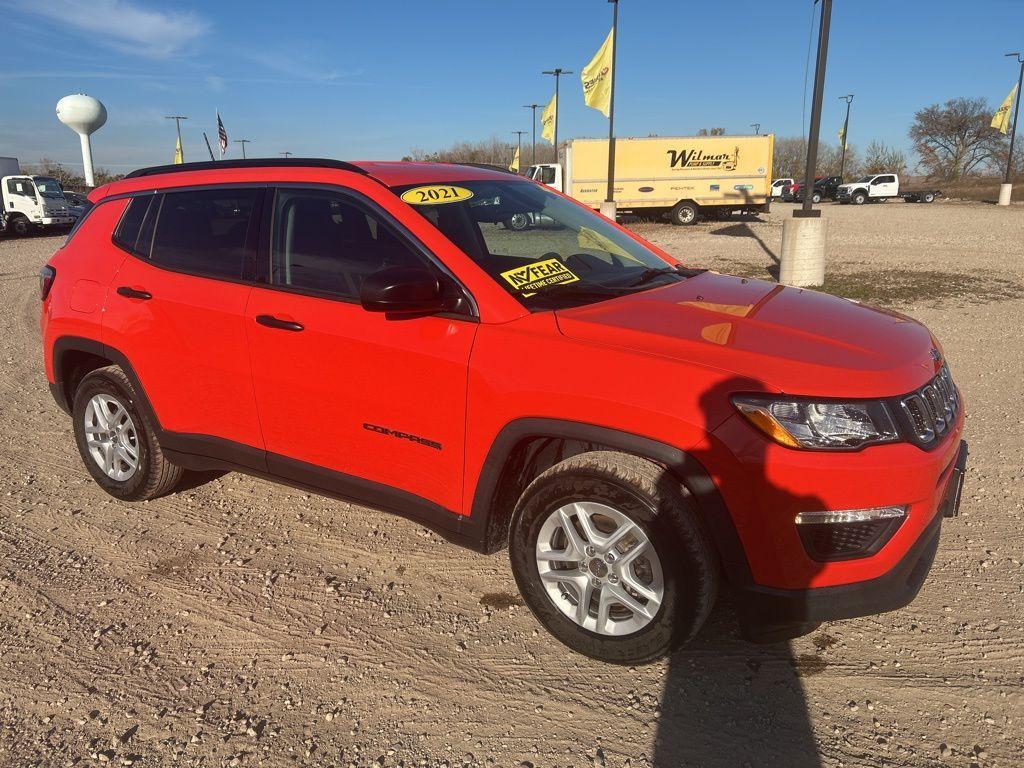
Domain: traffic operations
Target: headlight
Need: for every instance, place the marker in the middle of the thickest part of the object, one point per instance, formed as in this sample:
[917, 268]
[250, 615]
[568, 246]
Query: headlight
[799, 423]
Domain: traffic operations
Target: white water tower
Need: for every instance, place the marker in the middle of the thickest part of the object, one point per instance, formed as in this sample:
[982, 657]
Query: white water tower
[84, 115]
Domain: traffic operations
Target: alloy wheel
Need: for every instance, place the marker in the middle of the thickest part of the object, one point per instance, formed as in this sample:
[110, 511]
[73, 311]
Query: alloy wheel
[599, 568]
[111, 437]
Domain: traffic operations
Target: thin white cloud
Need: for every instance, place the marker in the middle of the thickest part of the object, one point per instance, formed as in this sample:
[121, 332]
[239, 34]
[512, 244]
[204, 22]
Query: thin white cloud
[123, 25]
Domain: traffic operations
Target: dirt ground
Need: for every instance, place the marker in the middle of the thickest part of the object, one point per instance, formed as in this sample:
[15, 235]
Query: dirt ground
[241, 623]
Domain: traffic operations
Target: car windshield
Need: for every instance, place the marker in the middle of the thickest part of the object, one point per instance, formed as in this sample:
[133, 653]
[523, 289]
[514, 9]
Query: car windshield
[865, 179]
[48, 187]
[546, 251]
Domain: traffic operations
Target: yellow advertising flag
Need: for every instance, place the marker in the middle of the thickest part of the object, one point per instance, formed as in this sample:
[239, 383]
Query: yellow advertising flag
[547, 120]
[514, 166]
[842, 136]
[179, 157]
[597, 77]
[1001, 119]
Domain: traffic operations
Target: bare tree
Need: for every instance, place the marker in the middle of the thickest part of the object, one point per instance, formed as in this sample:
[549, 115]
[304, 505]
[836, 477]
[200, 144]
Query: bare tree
[711, 132]
[880, 158]
[955, 139]
[494, 151]
[790, 156]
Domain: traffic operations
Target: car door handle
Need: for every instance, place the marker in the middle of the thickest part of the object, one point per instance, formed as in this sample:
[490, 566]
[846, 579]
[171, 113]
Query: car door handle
[275, 322]
[132, 293]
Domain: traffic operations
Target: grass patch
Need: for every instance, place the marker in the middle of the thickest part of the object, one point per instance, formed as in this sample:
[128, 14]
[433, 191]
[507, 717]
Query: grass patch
[889, 287]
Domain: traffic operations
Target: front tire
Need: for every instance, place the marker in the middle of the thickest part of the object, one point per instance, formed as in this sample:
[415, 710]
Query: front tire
[117, 442]
[816, 198]
[610, 555]
[929, 197]
[858, 198]
[20, 226]
[683, 214]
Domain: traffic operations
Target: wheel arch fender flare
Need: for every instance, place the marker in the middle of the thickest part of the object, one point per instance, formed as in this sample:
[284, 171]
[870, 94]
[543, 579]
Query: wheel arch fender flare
[687, 470]
[65, 344]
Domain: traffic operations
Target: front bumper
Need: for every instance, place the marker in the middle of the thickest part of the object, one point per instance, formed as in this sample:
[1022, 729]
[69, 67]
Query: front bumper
[56, 221]
[770, 615]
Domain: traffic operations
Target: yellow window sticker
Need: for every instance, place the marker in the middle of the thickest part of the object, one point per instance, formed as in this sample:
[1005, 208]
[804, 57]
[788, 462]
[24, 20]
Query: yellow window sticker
[531, 278]
[436, 194]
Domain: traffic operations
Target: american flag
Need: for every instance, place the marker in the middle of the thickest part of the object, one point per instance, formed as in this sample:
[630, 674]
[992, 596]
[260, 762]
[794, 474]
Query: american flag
[222, 136]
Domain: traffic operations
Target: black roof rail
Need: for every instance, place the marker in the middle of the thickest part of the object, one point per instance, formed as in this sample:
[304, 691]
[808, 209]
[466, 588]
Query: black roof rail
[252, 162]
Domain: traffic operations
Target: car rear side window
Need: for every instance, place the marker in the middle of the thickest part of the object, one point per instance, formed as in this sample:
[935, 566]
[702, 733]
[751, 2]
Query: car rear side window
[326, 242]
[204, 231]
[129, 230]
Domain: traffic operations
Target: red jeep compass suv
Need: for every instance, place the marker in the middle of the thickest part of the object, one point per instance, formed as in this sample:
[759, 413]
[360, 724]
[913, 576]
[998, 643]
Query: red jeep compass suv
[639, 434]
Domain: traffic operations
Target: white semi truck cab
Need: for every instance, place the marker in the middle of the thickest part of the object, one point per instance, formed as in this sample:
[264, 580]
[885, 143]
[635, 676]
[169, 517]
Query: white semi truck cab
[31, 202]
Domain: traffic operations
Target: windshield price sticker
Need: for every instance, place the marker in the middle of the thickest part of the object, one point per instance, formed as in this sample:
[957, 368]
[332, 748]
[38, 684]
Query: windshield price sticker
[540, 274]
[436, 194]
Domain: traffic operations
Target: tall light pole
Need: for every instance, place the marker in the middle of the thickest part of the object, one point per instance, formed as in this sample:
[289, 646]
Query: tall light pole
[534, 108]
[802, 261]
[757, 128]
[557, 72]
[177, 122]
[519, 145]
[608, 206]
[243, 142]
[1007, 188]
[848, 98]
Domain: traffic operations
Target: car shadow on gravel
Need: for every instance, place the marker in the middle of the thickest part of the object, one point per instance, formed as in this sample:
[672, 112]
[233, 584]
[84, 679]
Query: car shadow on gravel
[728, 701]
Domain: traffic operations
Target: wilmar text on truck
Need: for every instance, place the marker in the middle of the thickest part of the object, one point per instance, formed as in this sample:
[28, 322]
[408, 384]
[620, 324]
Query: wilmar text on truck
[685, 178]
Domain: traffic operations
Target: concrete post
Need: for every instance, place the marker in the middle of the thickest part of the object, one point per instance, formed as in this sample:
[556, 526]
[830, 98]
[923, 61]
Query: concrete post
[608, 209]
[802, 262]
[1005, 190]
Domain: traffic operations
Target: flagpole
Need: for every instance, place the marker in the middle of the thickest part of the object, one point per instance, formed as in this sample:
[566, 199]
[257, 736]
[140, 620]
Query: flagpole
[846, 133]
[611, 110]
[1016, 111]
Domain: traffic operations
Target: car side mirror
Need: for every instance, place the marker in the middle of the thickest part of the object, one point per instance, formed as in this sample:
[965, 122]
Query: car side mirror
[403, 291]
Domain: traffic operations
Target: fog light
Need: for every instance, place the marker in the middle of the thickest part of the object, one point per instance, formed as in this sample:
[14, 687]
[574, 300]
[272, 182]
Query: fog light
[849, 533]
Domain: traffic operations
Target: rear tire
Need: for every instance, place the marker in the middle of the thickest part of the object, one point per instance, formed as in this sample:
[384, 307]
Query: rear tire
[518, 222]
[673, 563]
[107, 420]
[929, 197]
[816, 198]
[683, 214]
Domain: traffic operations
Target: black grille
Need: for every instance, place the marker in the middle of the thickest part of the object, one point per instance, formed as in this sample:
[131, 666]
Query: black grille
[845, 541]
[929, 413]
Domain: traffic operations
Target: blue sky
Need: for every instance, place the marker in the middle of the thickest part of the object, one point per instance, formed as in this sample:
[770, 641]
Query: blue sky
[372, 80]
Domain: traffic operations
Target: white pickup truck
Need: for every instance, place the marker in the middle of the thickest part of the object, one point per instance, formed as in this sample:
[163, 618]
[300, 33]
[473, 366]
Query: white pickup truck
[879, 187]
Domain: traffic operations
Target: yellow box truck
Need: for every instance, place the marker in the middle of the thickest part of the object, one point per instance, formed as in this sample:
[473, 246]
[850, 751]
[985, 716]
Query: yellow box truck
[683, 177]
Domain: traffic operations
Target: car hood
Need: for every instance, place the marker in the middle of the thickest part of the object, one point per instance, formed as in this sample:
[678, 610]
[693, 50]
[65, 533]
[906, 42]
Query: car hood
[793, 340]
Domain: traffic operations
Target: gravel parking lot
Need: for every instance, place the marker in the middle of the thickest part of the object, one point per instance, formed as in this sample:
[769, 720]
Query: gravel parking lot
[237, 622]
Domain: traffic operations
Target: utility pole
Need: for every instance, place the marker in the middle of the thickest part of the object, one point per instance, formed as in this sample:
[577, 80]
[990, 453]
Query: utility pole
[1006, 189]
[519, 144]
[802, 261]
[848, 98]
[757, 128]
[534, 108]
[608, 209]
[243, 142]
[177, 122]
[557, 72]
[286, 154]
